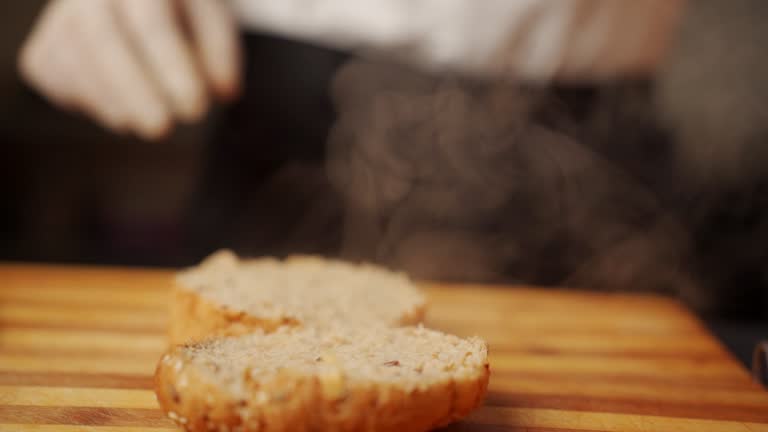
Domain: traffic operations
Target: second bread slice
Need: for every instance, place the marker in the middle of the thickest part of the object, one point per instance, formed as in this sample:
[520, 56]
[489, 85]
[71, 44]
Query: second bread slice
[227, 296]
[346, 379]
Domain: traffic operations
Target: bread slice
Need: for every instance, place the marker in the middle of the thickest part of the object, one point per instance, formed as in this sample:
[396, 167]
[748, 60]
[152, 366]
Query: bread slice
[226, 296]
[337, 379]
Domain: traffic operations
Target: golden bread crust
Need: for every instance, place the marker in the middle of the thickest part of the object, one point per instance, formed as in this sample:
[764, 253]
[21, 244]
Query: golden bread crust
[194, 318]
[291, 402]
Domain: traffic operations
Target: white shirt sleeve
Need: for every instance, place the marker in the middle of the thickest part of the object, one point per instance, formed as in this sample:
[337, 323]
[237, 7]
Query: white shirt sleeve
[528, 39]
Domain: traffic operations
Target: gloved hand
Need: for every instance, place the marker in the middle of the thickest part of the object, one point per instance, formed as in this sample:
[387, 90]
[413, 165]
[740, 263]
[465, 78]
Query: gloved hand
[535, 40]
[134, 65]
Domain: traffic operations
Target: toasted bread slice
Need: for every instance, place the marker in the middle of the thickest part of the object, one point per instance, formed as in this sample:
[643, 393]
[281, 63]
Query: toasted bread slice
[336, 379]
[226, 296]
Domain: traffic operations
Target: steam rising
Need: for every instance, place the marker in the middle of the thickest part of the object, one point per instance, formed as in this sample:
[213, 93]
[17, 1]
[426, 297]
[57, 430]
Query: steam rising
[714, 91]
[458, 180]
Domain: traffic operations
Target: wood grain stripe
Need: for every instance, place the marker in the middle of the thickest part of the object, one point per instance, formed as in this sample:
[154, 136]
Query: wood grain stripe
[84, 277]
[53, 379]
[633, 318]
[146, 330]
[54, 315]
[545, 328]
[79, 428]
[81, 365]
[502, 340]
[661, 367]
[77, 397]
[543, 297]
[66, 296]
[62, 340]
[608, 422]
[84, 416]
[721, 410]
[638, 391]
[67, 356]
[555, 377]
[610, 354]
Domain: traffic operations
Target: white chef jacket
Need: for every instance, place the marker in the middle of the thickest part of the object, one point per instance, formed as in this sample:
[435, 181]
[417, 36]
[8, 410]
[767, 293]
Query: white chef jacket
[530, 39]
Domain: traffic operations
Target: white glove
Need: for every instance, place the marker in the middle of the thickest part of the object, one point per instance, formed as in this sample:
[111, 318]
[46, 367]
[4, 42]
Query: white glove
[134, 65]
[527, 39]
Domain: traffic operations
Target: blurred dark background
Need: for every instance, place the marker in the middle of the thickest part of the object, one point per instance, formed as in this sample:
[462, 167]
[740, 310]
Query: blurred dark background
[253, 176]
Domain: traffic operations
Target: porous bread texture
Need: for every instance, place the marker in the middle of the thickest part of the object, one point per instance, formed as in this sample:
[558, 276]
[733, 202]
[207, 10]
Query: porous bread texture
[226, 296]
[340, 379]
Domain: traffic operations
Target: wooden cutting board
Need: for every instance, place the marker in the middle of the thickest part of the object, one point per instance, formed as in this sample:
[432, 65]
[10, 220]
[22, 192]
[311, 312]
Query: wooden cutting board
[78, 347]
